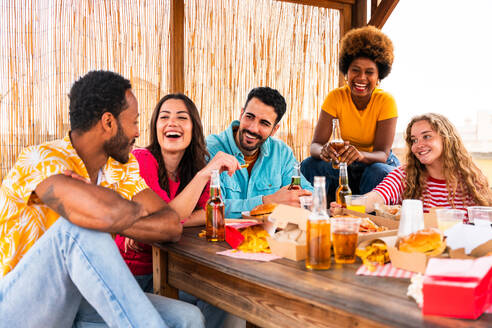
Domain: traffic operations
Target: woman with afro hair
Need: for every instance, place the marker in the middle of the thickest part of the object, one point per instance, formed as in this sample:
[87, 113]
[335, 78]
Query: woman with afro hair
[367, 116]
[439, 170]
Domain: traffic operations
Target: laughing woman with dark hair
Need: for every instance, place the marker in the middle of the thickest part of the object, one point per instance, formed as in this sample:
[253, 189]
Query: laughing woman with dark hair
[174, 166]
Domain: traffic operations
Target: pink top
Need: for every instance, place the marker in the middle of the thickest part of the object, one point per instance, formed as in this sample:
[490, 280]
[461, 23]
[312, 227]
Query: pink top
[140, 263]
[435, 193]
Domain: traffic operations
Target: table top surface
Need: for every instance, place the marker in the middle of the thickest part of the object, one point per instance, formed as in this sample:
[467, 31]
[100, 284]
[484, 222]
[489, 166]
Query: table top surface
[381, 299]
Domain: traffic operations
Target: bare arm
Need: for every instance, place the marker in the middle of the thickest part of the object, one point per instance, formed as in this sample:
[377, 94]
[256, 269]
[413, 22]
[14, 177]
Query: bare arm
[88, 205]
[185, 202]
[197, 218]
[162, 224]
[322, 133]
[373, 198]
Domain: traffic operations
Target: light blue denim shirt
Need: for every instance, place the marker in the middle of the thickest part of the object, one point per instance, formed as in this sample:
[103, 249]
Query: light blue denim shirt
[272, 170]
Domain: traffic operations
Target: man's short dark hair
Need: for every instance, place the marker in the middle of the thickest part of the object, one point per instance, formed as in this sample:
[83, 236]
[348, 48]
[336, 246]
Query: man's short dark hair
[270, 97]
[94, 94]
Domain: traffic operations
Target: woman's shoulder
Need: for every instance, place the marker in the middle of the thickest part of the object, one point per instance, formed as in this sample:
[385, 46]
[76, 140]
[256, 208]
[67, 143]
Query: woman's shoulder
[382, 95]
[142, 154]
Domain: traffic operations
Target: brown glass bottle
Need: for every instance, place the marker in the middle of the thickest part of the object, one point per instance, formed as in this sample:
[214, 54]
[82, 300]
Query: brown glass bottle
[215, 224]
[336, 142]
[343, 187]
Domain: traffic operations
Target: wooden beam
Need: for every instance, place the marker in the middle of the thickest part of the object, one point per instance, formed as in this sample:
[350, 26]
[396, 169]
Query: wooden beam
[382, 12]
[359, 13]
[160, 277]
[332, 4]
[176, 47]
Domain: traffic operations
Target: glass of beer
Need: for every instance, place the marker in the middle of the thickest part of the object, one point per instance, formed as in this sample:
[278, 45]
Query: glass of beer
[344, 231]
[318, 244]
[356, 203]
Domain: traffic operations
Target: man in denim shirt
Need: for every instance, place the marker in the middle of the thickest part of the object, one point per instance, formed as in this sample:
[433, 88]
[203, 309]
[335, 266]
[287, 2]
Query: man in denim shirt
[270, 161]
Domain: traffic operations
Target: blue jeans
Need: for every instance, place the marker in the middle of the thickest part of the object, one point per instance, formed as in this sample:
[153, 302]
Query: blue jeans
[362, 177]
[214, 317]
[70, 267]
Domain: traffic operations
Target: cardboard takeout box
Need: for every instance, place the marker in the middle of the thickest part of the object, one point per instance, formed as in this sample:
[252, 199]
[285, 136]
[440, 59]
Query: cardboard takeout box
[285, 217]
[415, 262]
[391, 224]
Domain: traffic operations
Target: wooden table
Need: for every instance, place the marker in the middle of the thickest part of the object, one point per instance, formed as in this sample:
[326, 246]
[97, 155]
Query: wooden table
[282, 293]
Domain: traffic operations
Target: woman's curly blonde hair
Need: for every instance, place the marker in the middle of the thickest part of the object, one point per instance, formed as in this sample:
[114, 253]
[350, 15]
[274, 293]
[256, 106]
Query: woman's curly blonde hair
[368, 42]
[460, 172]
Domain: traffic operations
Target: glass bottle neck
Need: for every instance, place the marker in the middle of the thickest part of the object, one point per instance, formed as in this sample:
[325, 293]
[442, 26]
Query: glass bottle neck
[336, 134]
[343, 177]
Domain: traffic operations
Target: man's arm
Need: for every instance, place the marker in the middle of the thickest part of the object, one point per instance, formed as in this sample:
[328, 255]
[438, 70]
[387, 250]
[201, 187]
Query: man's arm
[88, 205]
[162, 224]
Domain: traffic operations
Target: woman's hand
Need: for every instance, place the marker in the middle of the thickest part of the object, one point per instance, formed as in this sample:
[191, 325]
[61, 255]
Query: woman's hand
[328, 153]
[222, 162]
[350, 154]
[132, 245]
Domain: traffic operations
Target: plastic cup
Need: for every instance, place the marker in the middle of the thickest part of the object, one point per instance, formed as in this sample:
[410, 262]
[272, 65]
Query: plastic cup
[356, 203]
[344, 231]
[446, 218]
[480, 215]
[411, 217]
[306, 202]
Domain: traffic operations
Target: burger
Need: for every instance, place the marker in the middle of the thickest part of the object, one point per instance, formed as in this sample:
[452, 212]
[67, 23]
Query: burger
[428, 241]
[263, 209]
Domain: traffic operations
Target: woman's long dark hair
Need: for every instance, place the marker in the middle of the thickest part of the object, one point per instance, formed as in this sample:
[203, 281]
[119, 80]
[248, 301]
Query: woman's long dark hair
[196, 154]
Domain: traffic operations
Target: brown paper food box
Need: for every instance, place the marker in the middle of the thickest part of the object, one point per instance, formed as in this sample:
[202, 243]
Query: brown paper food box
[415, 262]
[283, 215]
[391, 224]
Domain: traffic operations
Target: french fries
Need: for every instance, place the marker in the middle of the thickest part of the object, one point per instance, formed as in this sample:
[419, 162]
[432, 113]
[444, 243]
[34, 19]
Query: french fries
[255, 240]
[375, 253]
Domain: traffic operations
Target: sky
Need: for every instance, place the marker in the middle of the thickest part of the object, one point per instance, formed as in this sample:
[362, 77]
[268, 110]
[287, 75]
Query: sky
[443, 58]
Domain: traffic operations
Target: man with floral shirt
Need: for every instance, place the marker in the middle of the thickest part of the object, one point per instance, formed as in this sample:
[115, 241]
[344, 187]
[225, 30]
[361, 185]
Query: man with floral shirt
[58, 205]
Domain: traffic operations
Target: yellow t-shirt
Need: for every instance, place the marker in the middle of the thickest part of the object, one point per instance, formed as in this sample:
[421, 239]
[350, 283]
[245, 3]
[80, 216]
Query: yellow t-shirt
[24, 218]
[359, 126]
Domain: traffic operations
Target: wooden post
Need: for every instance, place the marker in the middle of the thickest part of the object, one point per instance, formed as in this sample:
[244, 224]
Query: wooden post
[176, 58]
[359, 13]
[160, 264]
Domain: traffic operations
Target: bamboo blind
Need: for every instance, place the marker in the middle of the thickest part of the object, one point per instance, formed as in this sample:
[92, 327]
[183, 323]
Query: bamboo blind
[231, 47]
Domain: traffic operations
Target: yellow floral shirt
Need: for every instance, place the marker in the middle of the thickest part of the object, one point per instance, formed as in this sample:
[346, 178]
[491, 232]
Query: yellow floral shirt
[24, 218]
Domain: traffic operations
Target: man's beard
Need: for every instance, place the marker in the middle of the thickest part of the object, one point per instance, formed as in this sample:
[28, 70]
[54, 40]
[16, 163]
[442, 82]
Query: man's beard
[118, 147]
[246, 146]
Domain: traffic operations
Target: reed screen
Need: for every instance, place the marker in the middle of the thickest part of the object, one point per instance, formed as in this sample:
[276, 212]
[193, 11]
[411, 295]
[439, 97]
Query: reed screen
[231, 46]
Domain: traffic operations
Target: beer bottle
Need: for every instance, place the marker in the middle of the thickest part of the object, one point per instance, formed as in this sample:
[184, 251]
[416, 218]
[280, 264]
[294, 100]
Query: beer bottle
[295, 183]
[343, 187]
[215, 230]
[336, 141]
[318, 233]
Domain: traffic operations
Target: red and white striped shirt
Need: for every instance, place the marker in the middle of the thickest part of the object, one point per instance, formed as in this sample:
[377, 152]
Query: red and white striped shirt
[434, 195]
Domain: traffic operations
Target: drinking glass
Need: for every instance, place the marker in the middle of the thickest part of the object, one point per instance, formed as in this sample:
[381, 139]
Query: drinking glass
[306, 202]
[344, 232]
[356, 203]
[480, 215]
[446, 218]
[412, 217]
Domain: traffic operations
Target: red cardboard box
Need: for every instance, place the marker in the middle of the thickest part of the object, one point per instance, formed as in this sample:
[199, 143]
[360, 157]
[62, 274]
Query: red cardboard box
[458, 288]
